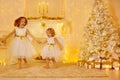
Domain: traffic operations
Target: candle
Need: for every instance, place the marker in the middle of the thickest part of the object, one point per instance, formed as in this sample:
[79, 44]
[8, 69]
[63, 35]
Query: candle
[39, 8]
[42, 8]
[46, 8]
[43, 5]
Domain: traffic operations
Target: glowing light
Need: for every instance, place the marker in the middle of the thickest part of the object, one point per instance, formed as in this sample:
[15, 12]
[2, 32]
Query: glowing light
[71, 55]
[2, 61]
[117, 68]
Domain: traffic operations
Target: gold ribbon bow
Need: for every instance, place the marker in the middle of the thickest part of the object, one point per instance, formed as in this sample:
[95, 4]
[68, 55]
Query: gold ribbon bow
[50, 44]
[21, 37]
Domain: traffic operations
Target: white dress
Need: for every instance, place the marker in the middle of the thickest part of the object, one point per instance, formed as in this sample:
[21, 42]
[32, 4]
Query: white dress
[21, 46]
[51, 49]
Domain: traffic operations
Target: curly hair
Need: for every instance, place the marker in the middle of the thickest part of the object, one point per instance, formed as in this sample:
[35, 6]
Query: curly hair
[52, 31]
[17, 21]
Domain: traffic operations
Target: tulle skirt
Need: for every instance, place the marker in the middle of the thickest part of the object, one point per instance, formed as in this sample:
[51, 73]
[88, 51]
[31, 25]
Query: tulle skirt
[50, 51]
[21, 48]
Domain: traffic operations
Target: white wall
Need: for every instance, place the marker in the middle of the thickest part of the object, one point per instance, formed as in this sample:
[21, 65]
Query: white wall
[55, 8]
[9, 11]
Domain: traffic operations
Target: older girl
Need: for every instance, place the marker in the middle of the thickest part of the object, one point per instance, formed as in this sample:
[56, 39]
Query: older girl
[20, 48]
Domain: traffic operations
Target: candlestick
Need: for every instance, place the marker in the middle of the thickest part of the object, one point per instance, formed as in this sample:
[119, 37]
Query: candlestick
[43, 9]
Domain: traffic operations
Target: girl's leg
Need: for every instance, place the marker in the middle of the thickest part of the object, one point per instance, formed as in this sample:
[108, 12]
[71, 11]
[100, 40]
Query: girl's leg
[19, 63]
[54, 62]
[25, 60]
[47, 63]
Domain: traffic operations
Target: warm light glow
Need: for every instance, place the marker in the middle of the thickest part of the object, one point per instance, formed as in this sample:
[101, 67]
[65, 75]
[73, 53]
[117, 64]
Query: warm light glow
[71, 54]
[2, 62]
[117, 68]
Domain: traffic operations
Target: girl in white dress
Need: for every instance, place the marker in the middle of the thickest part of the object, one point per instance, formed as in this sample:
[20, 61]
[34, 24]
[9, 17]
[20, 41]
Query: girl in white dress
[53, 48]
[21, 47]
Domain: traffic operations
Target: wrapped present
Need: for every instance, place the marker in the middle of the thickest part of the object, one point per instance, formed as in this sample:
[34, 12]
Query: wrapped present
[81, 62]
[91, 64]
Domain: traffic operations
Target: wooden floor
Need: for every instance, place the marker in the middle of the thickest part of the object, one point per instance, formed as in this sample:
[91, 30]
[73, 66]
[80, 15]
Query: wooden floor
[36, 68]
[72, 70]
[114, 75]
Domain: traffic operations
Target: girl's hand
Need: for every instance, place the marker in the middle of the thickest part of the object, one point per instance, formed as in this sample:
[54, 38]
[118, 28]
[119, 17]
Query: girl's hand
[39, 42]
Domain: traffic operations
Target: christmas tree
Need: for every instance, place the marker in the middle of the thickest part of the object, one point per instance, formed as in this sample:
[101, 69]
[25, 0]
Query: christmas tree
[100, 35]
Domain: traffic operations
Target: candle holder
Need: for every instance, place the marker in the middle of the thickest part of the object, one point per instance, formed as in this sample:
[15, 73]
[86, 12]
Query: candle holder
[43, 9]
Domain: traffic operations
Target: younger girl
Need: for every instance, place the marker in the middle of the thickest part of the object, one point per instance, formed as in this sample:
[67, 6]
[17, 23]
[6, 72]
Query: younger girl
[20, 47]
[53, 48]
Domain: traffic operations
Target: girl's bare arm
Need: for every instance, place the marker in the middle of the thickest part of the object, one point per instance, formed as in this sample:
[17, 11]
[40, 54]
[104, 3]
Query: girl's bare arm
[10, 34]
[28, 32]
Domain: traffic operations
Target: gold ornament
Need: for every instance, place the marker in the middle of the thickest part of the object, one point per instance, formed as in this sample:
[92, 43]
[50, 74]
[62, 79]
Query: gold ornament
[105, 23]
[100, 51]
[92, 32]
[105, 38]
[43, 24]
[104, 45]
[107, 54]
[84, 54]
[91, 52]
[92, 18]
